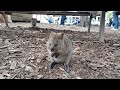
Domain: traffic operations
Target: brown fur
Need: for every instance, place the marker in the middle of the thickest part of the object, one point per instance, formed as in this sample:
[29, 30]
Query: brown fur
[60, 48]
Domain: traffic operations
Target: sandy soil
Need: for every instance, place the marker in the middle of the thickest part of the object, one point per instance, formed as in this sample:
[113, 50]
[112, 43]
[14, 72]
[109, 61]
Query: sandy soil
[23, 53]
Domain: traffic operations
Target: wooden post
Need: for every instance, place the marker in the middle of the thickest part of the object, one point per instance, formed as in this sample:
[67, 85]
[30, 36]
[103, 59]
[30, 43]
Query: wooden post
[89, 24]
[102, 26]
[5, 19]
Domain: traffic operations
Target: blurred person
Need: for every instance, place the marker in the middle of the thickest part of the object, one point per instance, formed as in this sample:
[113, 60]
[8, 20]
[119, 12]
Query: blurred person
[110, 22]
[115, 20]
[63, 18]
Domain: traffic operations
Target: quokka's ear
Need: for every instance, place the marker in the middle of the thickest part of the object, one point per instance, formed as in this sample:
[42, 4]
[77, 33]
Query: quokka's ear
[61, 36]
[52, 33]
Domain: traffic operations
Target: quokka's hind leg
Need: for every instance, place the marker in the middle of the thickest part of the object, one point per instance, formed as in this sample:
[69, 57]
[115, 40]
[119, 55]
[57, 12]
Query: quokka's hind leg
[66, 68]
[66, 64]
[52, 64]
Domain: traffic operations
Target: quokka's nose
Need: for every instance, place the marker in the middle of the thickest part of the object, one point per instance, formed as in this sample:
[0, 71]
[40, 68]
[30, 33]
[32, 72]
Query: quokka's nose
[52, 49]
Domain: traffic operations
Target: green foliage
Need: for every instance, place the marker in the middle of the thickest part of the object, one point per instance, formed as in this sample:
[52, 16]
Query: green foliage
[109, 14]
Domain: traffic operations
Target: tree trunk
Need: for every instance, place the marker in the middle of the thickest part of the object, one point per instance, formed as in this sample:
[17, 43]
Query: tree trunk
[89, 24]
[102, 26]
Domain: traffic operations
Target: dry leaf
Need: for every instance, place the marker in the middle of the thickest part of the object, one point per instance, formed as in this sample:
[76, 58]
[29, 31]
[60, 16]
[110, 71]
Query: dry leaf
[3, 67]
[5, 73]
[1, 76]
[39, 76]
[13, 65]
[28, 68]
[78, 78]
[61, 69]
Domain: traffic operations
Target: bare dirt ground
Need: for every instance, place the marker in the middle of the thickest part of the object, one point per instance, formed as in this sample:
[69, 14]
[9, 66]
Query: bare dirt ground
[23, 53]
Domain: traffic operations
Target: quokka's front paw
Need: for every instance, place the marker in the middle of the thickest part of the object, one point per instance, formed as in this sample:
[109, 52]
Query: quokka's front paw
[55, 55]
[66, 68]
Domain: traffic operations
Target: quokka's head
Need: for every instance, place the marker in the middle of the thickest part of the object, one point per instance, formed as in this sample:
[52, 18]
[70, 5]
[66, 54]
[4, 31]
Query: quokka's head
[55, 41]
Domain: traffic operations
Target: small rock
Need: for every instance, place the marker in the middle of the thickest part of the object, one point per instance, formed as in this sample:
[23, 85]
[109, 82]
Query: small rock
[3, 67]
[32, 57]
[1, 76]
[10, 62]
[22, 65]
[6, 74]
[116, 45]
[82, 60]
[32, 46]
[61, 69]
[15, 51]
[28, 68]
[31, 61]
[45, 67]
[78, 78]
[40, 67]
[77, 49]
[13, 65]
[42, 39]
[117, 67]
[39, 76]
[7, 42]
[29, 58]
[2, 47]
[38, 60]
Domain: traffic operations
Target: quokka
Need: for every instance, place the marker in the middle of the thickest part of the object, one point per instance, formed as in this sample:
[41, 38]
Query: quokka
[60, 49]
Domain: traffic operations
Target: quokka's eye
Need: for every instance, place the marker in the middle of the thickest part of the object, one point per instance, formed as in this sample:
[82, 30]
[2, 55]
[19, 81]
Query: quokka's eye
[56, 45]
[50, 44]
